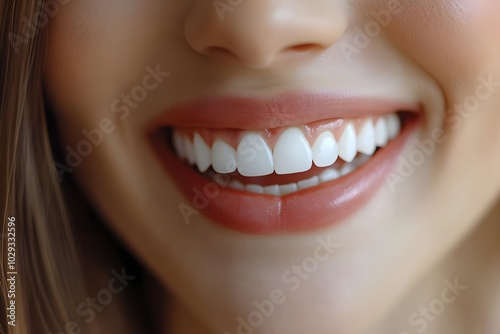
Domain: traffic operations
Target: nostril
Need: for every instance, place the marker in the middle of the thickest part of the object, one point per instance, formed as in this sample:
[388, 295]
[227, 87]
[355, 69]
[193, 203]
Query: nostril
[217, 52]
[303, 47]
[287, 31]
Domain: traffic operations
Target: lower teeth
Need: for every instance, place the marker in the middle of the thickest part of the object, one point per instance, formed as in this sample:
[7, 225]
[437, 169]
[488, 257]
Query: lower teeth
[327, 175]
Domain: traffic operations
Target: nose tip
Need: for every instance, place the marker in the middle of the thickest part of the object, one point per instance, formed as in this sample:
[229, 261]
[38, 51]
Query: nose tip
[261, 33]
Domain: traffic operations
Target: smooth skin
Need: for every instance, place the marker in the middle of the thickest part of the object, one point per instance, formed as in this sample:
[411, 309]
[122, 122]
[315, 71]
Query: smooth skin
[394, 254]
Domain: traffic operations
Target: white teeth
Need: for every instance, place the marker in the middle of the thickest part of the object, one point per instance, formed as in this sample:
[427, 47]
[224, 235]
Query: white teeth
[347, 144]
[254, 188]
[366, 139]
[179, 145]
[223, 157]
[325, 150]
[309, 183]
[254, 156]
[189, 151]
[393, 125]
[381, 133]
[329, 174]
[201, 153]
[286, 189]
[292, 153]
[272, 190]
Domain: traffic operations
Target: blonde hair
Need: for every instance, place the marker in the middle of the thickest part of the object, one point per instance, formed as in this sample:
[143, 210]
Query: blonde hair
[48, 277]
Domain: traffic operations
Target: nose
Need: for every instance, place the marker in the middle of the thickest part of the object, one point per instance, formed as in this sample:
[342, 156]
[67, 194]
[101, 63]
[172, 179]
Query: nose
[261, 33]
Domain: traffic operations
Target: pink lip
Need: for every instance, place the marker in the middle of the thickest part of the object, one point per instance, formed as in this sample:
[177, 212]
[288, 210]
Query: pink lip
[283, 110]
[305, 210]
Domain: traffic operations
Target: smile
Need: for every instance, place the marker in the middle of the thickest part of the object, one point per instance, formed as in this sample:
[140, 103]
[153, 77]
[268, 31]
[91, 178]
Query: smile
[294, 163]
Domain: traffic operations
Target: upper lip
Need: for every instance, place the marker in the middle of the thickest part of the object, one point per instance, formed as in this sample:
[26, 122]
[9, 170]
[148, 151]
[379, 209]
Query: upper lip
[282, 110]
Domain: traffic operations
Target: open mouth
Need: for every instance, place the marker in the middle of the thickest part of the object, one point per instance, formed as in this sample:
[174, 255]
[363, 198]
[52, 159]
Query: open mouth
[282, 161]
[289, 177]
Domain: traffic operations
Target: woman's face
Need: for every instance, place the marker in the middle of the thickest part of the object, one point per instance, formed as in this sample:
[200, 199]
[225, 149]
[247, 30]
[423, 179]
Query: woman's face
[252, 85]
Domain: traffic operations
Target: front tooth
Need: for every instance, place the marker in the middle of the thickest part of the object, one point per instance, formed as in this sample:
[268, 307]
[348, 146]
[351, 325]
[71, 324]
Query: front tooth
[286, 189]
[325, 150]
[292, 153]
[381, 134]
[309, 183]
[272, 190]
[189, 150]
[179, 145]
[393, 125]
[202, 153]
[255, 188]
[254, 157]
[347, 144]
[223, 157]
[366, 139]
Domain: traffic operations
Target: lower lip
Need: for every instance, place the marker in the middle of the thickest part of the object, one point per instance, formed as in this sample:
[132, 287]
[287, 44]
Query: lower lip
[306, 210]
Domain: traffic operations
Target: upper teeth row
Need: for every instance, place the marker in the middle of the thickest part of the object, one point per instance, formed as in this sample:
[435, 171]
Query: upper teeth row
[292, 152]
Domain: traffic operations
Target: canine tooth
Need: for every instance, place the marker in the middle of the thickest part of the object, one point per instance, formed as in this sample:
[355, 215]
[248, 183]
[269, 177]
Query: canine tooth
[381, 134]
[325, 150]
[347, 144]
[179, 145]
[393, 125]
[189, 150]
[272, 190]
[235, 184]
[223, 157]
[329, 174]
[202, 153]
[309, 183]
[254, 157]
[255, 188]
[292, 153]
[286, 189]
[366, 139]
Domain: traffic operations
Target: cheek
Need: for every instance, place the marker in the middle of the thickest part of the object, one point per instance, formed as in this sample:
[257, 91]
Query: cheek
[454, 42]
[441, 37]
[485, 26]
[98, 50]
[75, 36]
